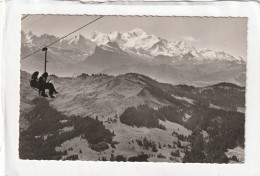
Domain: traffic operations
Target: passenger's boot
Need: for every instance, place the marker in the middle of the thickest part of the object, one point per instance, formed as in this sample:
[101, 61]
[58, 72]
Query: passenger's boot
[44, 95]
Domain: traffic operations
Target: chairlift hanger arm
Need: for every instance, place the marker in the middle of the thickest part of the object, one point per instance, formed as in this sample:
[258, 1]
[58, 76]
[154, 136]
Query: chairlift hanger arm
[44, 49]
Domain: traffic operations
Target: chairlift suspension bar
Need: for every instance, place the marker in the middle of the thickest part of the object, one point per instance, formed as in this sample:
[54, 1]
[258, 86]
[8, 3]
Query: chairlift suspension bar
[45, 60]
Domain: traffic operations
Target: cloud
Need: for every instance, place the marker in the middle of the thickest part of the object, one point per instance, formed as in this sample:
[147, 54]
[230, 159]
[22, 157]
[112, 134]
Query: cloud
[191, 39]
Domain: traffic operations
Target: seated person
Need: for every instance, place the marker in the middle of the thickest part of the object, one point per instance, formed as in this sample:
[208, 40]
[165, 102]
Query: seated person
[46, 85]
[34, 82]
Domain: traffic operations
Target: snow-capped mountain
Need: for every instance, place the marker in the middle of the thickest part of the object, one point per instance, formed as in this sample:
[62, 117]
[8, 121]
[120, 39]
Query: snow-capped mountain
[78, 42]
[212, 55]
[140, 43]
[135, 42]
[133, 51]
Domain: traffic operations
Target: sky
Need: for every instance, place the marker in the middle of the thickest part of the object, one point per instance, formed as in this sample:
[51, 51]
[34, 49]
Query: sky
[219, 34]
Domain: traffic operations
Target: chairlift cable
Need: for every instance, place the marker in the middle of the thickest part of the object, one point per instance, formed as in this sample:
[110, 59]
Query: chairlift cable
[36, 21]
[25, 17]
[74, 31]
[64, 37]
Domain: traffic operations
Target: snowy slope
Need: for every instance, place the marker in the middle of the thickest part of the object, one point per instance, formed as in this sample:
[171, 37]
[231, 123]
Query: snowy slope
[212, 55]
[78, 42]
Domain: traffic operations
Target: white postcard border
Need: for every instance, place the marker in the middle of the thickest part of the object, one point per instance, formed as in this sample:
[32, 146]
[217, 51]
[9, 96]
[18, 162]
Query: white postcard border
[15, 166]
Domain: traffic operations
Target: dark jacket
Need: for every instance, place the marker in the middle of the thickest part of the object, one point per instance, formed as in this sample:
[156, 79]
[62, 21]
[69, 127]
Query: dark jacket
[34, 82]
[42, 82]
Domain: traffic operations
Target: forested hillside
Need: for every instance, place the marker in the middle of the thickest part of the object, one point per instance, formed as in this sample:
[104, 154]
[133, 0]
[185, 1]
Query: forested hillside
[132, 117]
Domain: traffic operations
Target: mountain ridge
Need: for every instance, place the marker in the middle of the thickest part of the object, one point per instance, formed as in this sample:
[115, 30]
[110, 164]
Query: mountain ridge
[134, 51]
[139, 40]
[123, 105]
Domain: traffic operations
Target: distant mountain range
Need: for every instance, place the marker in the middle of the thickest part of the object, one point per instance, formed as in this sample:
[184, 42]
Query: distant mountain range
[134, 51]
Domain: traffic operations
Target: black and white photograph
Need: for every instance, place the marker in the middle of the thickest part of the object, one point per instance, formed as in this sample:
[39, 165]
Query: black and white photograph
[133, 88]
